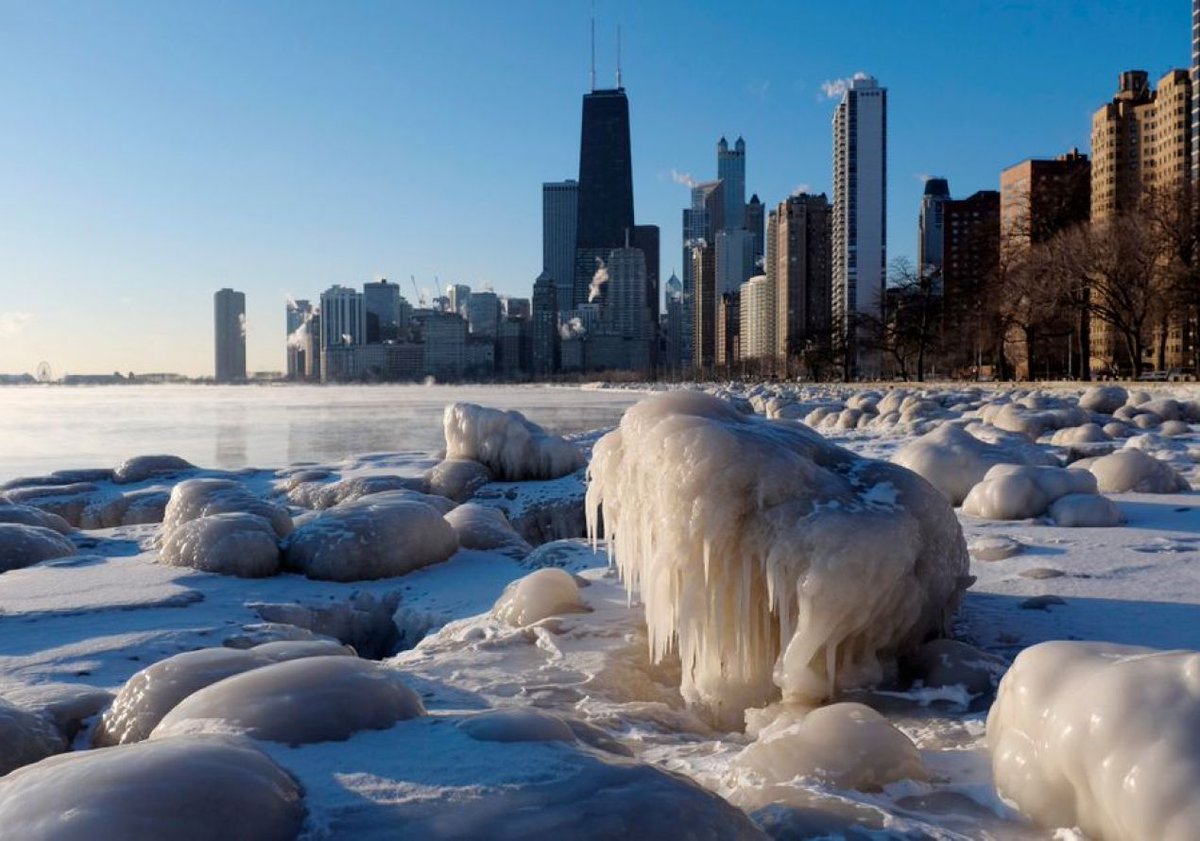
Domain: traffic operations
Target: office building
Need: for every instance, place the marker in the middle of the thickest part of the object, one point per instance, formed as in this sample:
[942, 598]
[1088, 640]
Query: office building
[457, 295]
[704, 305]
[544, 330]
[731, 172]
[560, 209]
[930, 227]
[756, 217]
[343, 317]
[381, 304]
[799, 264]
[229, 328]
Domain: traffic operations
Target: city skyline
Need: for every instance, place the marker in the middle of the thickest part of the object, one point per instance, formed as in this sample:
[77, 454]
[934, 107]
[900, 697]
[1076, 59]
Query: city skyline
[118, 235]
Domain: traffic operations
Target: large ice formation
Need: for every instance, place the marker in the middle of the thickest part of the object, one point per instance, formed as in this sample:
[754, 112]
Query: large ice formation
[140, 468]
[1102, 737]
[510, 446]
[186, 788]
[772, 559]
[485, 527]
[953, 460]
[238, 544]
[155, 690]
[378, 536]
[25, 737]
[315, 699]
[1130, 469]
[195, 498]
[22, 545]
[1018, 492]
[545, 592]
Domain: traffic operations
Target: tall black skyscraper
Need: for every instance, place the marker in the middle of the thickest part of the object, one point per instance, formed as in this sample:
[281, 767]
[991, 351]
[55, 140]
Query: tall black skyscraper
[605, 209]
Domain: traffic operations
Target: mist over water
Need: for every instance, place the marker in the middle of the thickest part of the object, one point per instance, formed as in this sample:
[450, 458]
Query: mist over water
[53, 428]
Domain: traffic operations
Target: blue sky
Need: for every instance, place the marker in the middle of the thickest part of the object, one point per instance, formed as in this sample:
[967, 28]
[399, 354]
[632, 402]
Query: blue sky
[153, 152]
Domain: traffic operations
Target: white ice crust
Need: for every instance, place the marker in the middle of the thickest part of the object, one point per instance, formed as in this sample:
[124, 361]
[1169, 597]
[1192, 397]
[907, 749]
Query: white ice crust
[771, 559]
[511, 447]
[545, 592]
[1102, 737]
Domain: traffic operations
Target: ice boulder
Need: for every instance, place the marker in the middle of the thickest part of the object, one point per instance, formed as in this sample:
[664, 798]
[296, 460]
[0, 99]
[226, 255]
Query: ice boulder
[1173, 428]
[155, 690]
[485, 527]
[67, 705]
[279, 651]
[953, 460]
[457, 478]
[545, 592]
[27, 515]
[1130, 469]
[1018, 492]
[238, 544]
[511, 447]
[66, 501]
[320, 496]
[138, 507]
[187, 788]
[25, 738]
[1089, 433]
[378, 536]
[140, 468]
[1085, 511]
[22, 545]
[773, 561]
[1104, 399]
[195, 498]
[846, 745]
[996, 548]
[314, 699]
[1101, 737]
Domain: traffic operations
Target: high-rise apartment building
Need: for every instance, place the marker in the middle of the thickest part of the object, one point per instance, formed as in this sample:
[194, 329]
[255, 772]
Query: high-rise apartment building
[729, 327]
[229, 328]
[299, 314]
[560, 210]
[704, 305]
[545, 337]
[930, 227]
[675, 357]
[1040, 197]
[701, 222]
[859, 217]
[483, 315]
[647, 239]
[731, 172]
[343, 318]
[757, 313]
[971, 250]
[735, 259]
[800, 263]
[1196, 92]
[381, 304]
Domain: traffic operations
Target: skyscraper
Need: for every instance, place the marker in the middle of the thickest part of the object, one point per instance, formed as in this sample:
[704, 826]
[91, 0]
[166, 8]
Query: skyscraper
[229, 323]
[299, 316]
[704, 305]
[545, 326]
[735, 259]
[605, 203]
[800, 270]
[758, 318]
[756, 217]
[859, 217]
[483, 315]
[381, 302]
[343, 318]
[930, 226]
[731, 172]
[560, 208]
[1195, 92]
[458, 294]
[701, 222]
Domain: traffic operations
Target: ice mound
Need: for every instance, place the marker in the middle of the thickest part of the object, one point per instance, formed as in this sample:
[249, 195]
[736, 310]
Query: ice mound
[201, 787]
[1173, 428]
[1130, 469]
[511, 447]
[25, 737]
[315, 699]
[572, 555]
[22, 545]
[141, 468]
[27, 515]
[229, 544]
[530, 725]
[847, 745]
[947, 662]
[1104, 399]
[1102, 737]
[995, 548]
[953, 460]
[457, 478]
[320, 496]
[1085, 511]
[1018, 492]
[378, 536]
[1089, 433]
[484, 527]
[195, 498]
[769, 558]
[66, 501]
[131, 509]
[155, 690]
[67, 705]
[546, 592]
[280, 651]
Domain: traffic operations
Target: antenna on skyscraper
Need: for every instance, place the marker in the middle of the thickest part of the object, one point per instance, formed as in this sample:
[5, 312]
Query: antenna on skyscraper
[593, 47]
[618, 56]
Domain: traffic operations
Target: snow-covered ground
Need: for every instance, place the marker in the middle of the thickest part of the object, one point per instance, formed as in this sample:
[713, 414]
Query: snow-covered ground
[562, 711]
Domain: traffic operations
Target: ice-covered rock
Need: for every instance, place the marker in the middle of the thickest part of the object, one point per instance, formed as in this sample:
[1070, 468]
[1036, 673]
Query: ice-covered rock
[572, 555]
[511, 447]
[187, 788]
[530, 725]
[948, 662]
[846, 745]
[1102, 737]
[27, 515]
[378, 536]
[542, 593]
[772, 560]
[279, 651]
[953, 460]
[131, 509]
[485, 527]
[155, 690]
[238, 544]
[1173, 428]
[1130, 469]
[1146, 420]
[1104, 399]
[195, 498]
[22, 545]
[1089, 433]
[141, 468]
[1085, 511]
[314, 699]
[25, 737]
[457, 478]
[1164, 407]
[326, 495]
[364, 621]
[995, 548]
[1018, 492]
[64, 704]
[67, 501]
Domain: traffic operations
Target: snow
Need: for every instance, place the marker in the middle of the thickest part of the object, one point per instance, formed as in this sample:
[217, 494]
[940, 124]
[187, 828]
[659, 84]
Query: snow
[1018, 492]
[510, 446]
[378, 536]
[230, 544]
[178, 788]
[541, 594]
[1130, 469]
[755, 550]
[312, 699]
[1101, 737]
[22, 545]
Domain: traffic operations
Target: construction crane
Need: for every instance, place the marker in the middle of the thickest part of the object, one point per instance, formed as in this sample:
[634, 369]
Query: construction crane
[420, 295]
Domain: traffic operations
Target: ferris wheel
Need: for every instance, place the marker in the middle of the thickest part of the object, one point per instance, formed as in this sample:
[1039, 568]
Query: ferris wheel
[44, 374]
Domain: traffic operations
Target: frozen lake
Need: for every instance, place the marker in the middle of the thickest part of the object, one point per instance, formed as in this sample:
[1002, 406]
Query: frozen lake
[51, 428]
